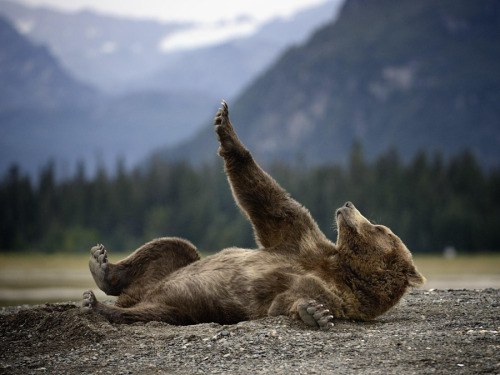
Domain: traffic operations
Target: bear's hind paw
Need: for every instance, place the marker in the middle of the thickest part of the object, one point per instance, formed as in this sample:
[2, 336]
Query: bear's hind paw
[99, 267]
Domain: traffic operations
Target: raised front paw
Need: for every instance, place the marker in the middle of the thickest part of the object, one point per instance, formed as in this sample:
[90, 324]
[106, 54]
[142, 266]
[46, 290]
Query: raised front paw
[315, 314]
[222, 116]
[224, 130]
[89, 300]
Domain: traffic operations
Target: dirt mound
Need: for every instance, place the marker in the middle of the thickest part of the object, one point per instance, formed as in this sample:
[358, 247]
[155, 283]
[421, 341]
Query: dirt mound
[427, 332]
[48, 329]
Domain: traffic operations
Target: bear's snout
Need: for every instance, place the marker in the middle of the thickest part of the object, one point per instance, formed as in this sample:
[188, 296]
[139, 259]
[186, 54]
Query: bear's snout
[348, 205]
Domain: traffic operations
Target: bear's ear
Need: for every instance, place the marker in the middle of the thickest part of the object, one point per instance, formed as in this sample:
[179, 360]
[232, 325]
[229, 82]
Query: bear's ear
[415, 278]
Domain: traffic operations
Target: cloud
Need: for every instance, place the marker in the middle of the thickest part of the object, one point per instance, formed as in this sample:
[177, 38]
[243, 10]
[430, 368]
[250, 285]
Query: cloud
[186, 10]
[207, 34]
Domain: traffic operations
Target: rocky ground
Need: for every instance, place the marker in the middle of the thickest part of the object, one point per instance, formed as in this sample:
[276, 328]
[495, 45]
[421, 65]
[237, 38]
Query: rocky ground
[436, 331]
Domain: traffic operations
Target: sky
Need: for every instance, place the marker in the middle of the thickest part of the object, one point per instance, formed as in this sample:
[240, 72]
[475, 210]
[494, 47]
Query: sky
[207, 11]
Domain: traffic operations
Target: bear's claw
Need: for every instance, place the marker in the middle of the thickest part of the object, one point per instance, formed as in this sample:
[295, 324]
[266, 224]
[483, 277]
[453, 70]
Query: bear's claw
[224, 107]
[222, 116]
[314, 314]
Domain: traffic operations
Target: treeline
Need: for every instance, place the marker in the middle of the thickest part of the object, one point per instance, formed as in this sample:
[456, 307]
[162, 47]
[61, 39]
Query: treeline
[429, 202]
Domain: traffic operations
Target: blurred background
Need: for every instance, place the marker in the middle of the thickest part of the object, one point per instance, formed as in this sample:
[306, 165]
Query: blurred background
[106, 134]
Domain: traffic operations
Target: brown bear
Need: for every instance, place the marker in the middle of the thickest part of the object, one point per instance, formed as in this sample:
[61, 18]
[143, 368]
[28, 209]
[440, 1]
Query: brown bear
[296, 271]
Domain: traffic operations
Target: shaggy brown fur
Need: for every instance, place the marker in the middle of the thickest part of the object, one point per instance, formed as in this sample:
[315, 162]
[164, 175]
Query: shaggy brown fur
[296, 270]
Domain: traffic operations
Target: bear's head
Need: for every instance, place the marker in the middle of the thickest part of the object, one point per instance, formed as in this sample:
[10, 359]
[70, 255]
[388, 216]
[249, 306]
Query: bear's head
[376, 258]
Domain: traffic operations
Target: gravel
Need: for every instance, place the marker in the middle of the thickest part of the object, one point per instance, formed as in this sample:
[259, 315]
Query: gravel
[434, 331]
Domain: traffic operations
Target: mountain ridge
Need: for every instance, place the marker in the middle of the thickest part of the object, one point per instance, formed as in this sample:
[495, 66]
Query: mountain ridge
[96, 48]
[431, 85]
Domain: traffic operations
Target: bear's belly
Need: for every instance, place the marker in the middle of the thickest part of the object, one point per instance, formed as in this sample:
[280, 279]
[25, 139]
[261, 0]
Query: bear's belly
[224, 289]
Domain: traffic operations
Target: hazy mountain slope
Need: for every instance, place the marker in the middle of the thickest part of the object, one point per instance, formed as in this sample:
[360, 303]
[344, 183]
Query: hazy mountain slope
[31, 77]
[105, 51]
[406, 74]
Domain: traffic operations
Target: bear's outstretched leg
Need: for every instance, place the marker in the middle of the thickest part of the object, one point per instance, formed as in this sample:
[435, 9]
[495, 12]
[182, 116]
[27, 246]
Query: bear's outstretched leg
[140, 313]
[145, 266]
[275, 216]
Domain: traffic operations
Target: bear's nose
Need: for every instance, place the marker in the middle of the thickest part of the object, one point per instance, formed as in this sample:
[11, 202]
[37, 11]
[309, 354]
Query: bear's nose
[348, 205]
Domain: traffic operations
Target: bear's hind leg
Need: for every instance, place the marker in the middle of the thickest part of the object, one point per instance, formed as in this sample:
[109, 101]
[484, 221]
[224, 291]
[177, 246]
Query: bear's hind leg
[102, 272]
[147, 265]
[140, 313]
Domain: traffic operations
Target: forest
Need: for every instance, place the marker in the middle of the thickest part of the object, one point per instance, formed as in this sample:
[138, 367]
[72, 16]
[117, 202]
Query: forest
[430, 202]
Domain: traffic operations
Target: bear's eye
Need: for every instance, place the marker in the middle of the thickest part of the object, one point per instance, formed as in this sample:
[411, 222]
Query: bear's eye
[380, 229]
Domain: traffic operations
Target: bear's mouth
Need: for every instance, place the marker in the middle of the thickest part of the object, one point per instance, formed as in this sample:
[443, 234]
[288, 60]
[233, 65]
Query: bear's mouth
[338, 214]
[343, 218]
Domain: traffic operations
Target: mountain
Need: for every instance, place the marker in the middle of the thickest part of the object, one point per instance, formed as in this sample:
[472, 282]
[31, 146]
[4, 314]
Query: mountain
[46, 114]
[119, 55]
[410, 75]
[30, 77]
[102, 50]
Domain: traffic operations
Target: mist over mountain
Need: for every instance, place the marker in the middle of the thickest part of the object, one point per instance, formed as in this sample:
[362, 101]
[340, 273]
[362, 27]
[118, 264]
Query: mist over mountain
[408, 74]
